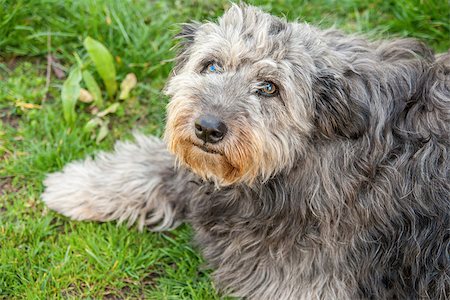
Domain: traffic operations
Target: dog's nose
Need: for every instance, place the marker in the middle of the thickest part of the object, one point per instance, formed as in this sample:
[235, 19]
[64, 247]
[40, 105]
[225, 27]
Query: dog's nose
[210, 129]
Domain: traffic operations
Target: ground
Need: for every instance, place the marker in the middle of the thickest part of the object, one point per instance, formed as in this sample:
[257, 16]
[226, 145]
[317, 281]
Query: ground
[44, 255]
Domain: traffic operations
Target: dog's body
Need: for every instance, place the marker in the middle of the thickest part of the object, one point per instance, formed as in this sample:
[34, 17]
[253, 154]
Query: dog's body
[336, 186]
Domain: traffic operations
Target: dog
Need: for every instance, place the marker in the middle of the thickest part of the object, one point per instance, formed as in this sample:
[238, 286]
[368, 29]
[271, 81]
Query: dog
[311, 164]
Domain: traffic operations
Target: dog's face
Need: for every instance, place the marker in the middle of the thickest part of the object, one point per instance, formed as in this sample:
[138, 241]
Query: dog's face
[242, 96]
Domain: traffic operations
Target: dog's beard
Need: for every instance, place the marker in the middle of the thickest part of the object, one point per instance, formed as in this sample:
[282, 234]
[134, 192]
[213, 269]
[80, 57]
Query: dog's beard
[207, 164]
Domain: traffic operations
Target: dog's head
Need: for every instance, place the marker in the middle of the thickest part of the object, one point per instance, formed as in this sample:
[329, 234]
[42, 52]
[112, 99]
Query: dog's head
[245, 95]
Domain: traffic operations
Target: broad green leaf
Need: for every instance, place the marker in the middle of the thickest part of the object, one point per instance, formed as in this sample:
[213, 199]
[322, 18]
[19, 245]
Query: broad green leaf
[104, 63]
[93, 88]
[127, 85]
[110, 110]
[69, 94]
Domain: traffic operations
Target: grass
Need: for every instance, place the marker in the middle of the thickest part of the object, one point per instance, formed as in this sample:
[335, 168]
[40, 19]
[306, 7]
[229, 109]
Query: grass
[44, 255]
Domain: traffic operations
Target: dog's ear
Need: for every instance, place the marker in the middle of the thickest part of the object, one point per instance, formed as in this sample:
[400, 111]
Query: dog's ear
[186, 38]
[338, 111]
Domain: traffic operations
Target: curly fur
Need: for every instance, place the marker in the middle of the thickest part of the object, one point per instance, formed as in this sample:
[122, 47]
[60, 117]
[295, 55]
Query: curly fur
[338, 188]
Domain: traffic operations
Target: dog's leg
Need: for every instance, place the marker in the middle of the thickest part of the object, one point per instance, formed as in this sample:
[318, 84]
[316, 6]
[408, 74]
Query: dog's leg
[135, 183]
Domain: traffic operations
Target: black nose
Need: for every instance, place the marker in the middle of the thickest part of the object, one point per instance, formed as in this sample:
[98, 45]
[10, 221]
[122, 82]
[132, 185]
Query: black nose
[210, 129]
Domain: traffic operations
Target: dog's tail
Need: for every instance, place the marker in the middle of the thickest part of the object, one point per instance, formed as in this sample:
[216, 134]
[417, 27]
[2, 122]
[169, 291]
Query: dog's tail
[127, 185]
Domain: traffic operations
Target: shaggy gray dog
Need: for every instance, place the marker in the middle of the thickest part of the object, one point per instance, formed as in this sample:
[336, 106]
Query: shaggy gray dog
[311, 164]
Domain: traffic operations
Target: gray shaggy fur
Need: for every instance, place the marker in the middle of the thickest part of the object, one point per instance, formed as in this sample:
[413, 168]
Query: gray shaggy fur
[336, 188]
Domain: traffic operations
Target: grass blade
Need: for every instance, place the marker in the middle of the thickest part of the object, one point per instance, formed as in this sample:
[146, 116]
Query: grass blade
[104, 64]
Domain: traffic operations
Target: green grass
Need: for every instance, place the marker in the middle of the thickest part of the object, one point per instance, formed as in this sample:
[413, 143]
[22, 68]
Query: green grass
[44, 255]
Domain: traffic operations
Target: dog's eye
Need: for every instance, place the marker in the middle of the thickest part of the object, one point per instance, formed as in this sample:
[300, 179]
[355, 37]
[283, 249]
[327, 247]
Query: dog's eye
[213, 67]
[267, 88]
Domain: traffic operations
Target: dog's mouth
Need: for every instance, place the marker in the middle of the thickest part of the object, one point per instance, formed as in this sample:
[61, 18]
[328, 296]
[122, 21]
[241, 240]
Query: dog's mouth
[206, 149]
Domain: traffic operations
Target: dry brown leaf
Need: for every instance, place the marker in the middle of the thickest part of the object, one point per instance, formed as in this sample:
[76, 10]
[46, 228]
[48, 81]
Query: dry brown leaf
[85, 96]
[127, 85]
